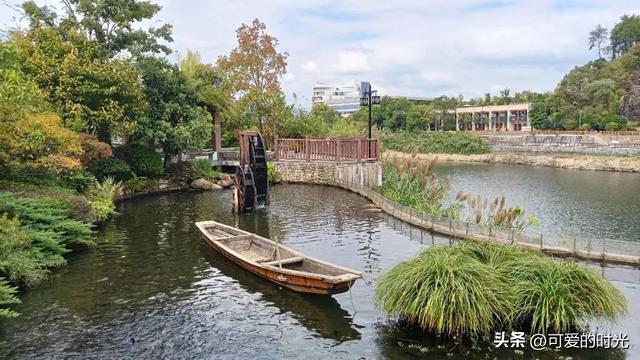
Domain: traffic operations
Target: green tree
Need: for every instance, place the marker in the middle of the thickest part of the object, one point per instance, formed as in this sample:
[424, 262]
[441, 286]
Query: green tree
[113, 25]
[419, 117]
[625, 34]
[173, 119]
[597, 39]
[100, 98]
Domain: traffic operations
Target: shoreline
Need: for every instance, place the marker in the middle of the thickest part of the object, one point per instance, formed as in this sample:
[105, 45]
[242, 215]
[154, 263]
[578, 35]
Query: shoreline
[561, 161]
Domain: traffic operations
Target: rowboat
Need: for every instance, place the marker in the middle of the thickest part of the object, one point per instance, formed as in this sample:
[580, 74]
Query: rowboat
[276, 262]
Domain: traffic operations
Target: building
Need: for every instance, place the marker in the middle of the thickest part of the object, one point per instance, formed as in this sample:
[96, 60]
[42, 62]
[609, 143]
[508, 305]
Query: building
[344, 99]
[513, 117]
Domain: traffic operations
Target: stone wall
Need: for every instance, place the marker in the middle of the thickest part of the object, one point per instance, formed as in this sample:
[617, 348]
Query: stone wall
[364, 174]
[583, 150]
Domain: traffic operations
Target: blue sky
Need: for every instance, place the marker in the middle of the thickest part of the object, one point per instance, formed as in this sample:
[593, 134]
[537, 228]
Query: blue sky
[403, 47]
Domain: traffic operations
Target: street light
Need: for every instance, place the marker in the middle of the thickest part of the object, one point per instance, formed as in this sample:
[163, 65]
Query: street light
[368, 99]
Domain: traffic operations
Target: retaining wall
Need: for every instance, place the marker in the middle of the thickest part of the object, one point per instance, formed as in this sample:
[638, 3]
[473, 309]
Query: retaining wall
[363, 174]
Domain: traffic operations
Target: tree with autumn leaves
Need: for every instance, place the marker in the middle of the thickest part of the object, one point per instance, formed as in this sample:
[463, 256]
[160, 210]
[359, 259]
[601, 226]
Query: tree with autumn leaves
[254, 69]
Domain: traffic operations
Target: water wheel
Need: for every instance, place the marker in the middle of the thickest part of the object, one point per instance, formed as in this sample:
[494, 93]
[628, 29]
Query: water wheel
[251, 186]
[244, 189]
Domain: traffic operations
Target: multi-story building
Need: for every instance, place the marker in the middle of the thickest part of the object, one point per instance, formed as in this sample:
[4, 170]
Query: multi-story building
[344, 99]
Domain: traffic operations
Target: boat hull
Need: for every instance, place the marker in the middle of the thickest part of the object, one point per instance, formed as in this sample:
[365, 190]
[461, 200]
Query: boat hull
[293, 282]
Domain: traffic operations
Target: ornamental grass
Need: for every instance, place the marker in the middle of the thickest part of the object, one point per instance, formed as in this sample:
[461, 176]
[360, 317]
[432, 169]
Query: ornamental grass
[473, 289]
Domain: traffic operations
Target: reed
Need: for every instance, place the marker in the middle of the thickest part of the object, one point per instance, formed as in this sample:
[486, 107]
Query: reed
[473, 289]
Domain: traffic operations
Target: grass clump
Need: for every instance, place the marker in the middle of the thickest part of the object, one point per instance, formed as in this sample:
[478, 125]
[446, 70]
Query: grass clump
[102, 197]
[451, 142]
[472, 289]
[204, 168]
[413, 184]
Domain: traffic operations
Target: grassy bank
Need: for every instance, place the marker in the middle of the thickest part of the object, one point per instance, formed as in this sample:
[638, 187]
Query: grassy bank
[435, 142]
[473, 289]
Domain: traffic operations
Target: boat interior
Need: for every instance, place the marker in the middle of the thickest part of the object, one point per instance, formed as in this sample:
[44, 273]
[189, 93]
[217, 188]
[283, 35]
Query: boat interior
[256, 249]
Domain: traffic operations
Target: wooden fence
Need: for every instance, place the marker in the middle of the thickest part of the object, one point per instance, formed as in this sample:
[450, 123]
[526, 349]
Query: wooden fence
[336, 150]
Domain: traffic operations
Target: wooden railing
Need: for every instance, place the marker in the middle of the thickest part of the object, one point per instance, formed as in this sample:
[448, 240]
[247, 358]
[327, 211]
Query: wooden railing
[336, 150]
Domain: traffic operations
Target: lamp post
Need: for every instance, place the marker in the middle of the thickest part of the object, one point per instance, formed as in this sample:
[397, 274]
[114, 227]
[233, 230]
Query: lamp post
[367, 99]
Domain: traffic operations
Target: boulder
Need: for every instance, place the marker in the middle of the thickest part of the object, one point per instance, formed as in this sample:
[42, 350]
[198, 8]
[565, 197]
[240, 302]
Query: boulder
[203, 184]
[225, 181]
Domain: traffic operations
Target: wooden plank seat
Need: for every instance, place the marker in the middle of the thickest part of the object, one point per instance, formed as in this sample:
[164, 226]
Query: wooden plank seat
[291, 260]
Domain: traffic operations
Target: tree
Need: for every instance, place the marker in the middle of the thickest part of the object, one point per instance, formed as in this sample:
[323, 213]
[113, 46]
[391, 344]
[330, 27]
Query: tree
[99, 97]
[419, 117]
[324, 113]
[443, 106]
[625, 35]
[597, 39]
[113, 25]
[173, 119]
[254, 68]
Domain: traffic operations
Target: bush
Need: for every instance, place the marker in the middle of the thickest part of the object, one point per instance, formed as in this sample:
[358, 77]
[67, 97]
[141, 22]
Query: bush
[632, 125]
[112, 167]
[135, 185]
[585, 127]
[7, 297]
[143, 160]
[102, 197]
[93, 149]
[272, 174]
[204, 168]
[474, 288]
[612, 126]
[436, 142]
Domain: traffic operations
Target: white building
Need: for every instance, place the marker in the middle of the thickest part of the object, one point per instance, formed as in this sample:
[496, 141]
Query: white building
[344, 99]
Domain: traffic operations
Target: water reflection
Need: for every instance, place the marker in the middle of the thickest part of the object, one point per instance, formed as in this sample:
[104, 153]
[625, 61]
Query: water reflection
[322, 315]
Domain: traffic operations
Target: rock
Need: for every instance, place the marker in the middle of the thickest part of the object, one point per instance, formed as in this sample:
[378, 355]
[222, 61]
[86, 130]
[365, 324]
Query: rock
[225, 181]
[202, 184]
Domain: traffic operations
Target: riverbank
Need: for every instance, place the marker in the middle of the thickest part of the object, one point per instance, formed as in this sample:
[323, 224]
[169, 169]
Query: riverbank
[562, 161]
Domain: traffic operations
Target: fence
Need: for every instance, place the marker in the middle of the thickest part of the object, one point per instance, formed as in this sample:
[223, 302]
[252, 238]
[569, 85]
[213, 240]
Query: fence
[626, 252]
[336, 150]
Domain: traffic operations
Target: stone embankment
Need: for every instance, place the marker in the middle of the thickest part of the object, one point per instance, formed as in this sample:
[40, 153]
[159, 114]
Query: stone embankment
[564, 161]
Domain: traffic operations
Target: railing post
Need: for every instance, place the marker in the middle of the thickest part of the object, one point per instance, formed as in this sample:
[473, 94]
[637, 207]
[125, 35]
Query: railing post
[338, 150]
[275, 147]
[377, 149]
[358, 149]
[307, 149]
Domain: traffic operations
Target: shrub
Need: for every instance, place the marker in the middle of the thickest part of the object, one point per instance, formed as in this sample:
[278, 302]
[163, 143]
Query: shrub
[272, 174]
[633, 125]
[182, 172]
[112, 167]
[50, 218]
[436, 142]
[7, 297]
[102, 196]
[204, 168]
[135, 185]
[585, 127]
[143, 160]
[473, 288]
[93, 149]
[612, 126]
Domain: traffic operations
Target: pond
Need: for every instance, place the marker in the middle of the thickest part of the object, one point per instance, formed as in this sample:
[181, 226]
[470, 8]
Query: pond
[153, 289]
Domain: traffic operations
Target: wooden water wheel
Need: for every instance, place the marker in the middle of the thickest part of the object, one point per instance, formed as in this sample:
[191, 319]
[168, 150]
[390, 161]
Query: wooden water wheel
[251, 186]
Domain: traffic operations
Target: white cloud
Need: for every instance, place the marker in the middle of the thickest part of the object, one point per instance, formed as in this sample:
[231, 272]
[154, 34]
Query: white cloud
[405, 47]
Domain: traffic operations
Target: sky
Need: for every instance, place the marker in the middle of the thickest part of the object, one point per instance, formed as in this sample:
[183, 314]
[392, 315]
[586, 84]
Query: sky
[403, 47]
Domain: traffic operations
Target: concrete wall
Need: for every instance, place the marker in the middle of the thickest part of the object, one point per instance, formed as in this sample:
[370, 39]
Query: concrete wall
[364, 174]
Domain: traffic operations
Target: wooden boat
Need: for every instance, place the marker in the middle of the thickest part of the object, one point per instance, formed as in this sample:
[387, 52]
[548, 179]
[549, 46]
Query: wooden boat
[276, 262]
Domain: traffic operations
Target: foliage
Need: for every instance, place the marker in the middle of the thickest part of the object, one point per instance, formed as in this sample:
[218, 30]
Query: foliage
[272, 174]
[112, 167]
[494, 212]
[203, 166]
[597, 39]
[40, 143]
[633, 125]
[112, 25]
[474, 288]
[412, 183]
[135, 185]
[254, 68]
[102, 197]
[50, 217]
[98, 97]
[436, 142]
[625, 34]
[173, 120]
[143, 160]
[7, 297]
[182, 172]
[93, 149]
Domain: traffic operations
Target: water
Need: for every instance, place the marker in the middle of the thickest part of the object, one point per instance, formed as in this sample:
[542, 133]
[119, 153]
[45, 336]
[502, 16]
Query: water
[151, 289]
[568, 202]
